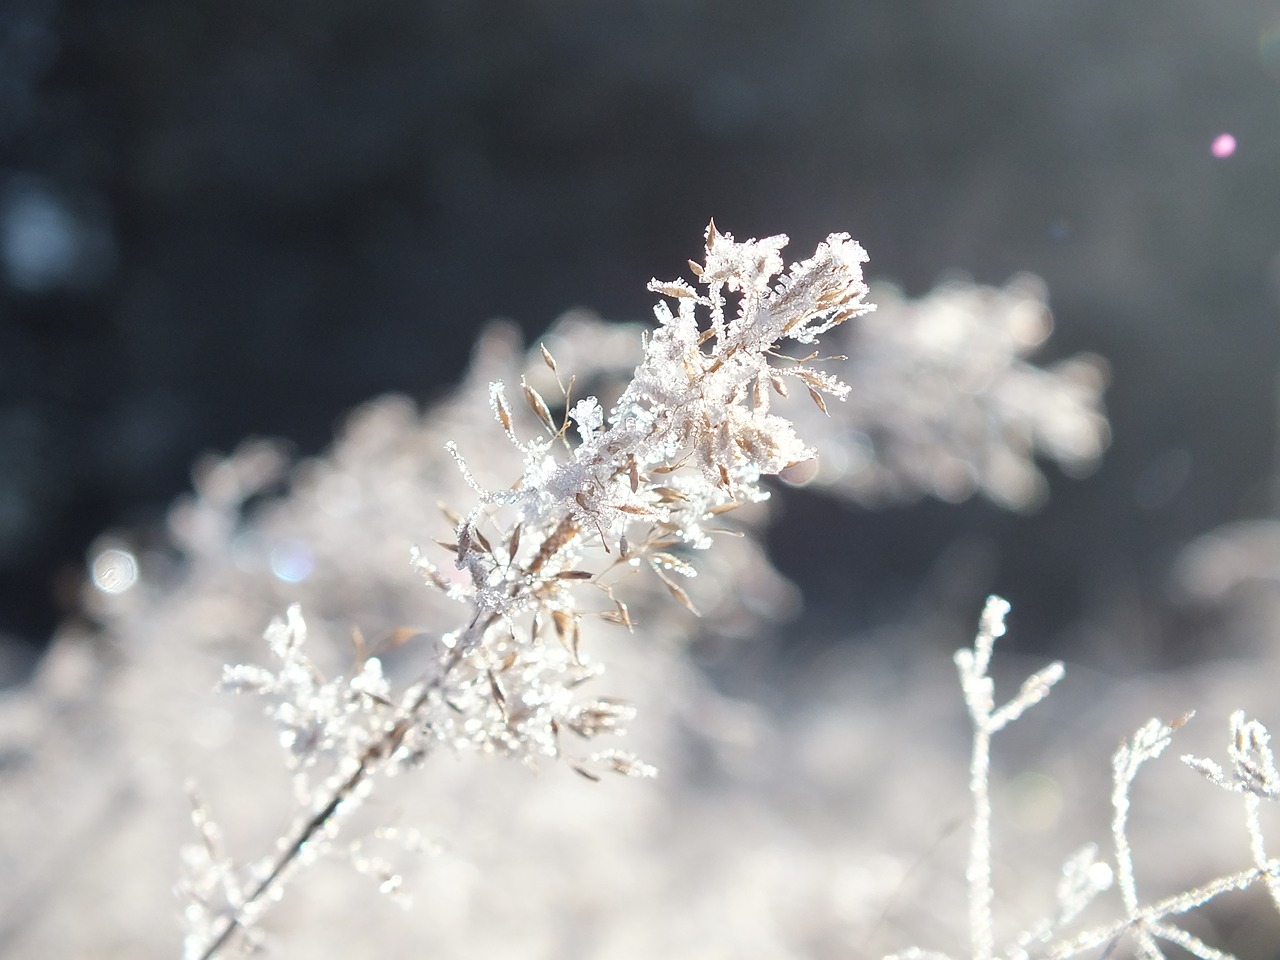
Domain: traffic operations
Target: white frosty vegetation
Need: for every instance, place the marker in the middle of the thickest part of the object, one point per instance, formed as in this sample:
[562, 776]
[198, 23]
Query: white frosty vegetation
[1141, 927]
[688, 441]
[944, 402]
[567, 513]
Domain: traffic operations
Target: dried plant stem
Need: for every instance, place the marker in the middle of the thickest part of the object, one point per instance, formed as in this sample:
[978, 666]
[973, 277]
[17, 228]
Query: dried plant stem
[288, 857]
[987, 719]
[369, 763]
[1168, 907]
[978, 873]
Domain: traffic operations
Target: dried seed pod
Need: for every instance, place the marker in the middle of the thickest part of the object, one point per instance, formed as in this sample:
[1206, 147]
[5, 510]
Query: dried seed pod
[567, 631]
[619, 615]
[676, 289]
[481, 540]
[669, 495]
[501, 411]
[565, 531]
[759, 398]
[538, 406]
[724, 507]
[675, 589]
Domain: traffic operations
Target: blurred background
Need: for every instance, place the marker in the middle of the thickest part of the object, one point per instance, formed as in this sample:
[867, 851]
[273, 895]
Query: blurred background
[227, 219]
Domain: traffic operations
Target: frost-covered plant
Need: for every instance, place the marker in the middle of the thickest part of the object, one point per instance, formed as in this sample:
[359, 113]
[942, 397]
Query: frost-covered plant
[1141, 926]
[659, 871]
[745, 847]
[688, 440]
[944, 402]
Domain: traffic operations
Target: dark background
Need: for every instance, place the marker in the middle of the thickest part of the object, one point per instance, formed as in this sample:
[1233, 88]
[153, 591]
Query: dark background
[229, 218]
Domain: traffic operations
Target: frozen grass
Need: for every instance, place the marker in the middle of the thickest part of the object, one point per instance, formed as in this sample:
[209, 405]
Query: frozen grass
[574, 533]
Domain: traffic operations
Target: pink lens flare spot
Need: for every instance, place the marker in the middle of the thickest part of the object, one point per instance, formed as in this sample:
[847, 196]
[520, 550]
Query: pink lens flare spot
[1224, 145]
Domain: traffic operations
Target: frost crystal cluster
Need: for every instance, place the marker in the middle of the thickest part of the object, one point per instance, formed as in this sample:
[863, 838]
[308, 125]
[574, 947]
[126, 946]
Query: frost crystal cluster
[688, 441]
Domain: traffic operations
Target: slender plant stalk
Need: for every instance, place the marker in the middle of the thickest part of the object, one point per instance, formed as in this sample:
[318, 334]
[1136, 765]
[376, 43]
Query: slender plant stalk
[978, 873]
[369, 762]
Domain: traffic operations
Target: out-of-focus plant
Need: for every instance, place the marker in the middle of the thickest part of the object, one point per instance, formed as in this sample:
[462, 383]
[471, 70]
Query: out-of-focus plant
[944, 402]
[1141, 926]
[607, 522]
